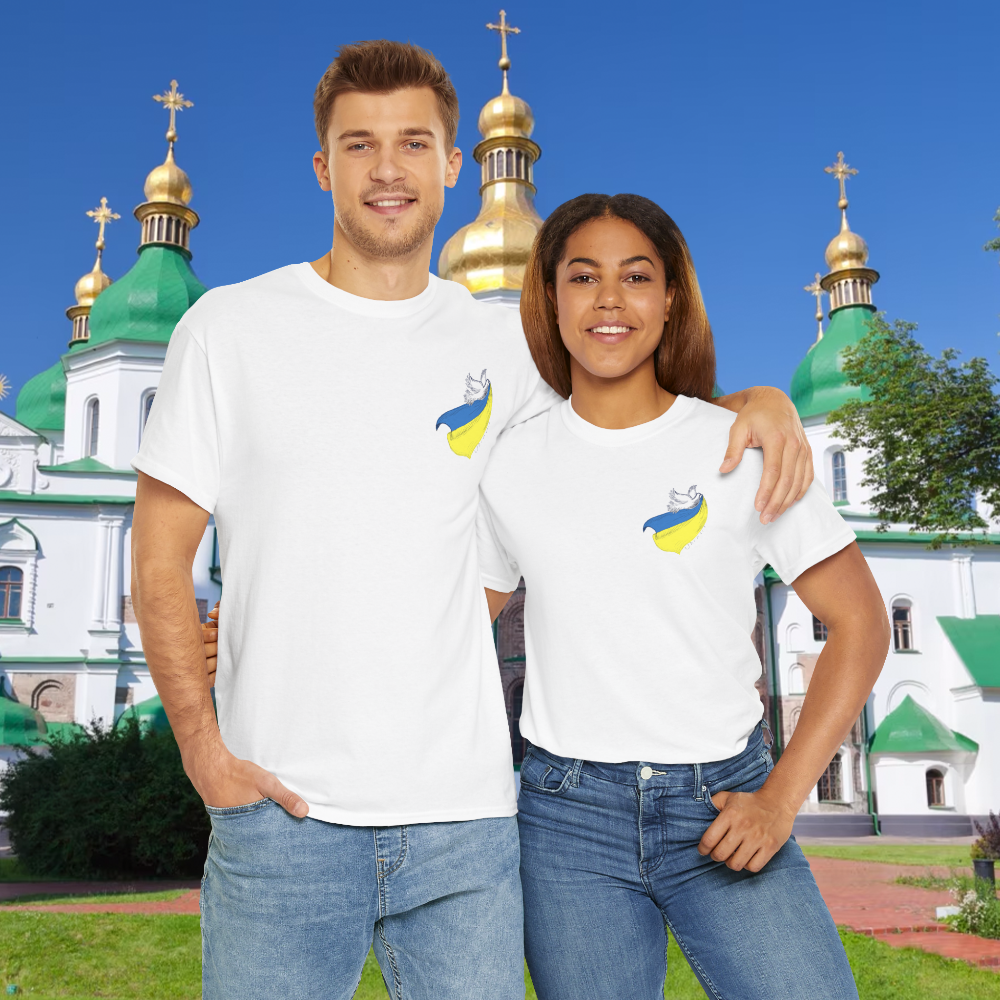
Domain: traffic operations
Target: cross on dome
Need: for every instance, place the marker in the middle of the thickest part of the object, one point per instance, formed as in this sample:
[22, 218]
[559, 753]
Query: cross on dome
[102, 216]
[816, 290]
[841, 171]
[504, 29]
[174, 101]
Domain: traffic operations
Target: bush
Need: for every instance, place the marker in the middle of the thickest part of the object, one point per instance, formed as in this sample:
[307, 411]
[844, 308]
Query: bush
[988, 844]
[979, 909]
[110, 803]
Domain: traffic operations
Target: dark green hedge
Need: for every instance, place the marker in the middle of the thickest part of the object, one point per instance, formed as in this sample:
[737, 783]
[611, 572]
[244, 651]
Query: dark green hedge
[111, 803]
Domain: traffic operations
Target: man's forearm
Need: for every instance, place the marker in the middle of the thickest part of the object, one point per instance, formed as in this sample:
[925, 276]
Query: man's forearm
[164, 603]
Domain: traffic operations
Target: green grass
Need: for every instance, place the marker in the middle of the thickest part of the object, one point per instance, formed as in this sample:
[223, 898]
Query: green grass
[11, 871]
[939, 855]
[63, 956]
[934, 882]
[47, 899]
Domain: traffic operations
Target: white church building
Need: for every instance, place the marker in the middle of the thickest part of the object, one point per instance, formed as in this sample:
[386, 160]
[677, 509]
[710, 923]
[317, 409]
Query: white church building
[924, 757]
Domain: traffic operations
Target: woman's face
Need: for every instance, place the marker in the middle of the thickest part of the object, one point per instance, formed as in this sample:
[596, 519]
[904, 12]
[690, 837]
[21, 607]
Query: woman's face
[611, 297]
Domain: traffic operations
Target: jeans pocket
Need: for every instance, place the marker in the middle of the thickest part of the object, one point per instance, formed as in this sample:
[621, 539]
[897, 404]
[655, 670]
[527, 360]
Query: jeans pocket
[542, 773]
[221, 812]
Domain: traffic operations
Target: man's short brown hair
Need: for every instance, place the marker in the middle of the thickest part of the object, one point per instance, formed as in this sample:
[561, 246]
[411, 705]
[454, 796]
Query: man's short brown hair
[380, 67]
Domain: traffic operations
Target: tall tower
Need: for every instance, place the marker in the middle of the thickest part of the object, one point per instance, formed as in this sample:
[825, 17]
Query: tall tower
[489, 255]
[819, 385]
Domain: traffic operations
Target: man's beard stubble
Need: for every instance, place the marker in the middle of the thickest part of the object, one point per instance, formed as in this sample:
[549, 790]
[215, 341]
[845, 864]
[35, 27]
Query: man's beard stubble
[390, 243]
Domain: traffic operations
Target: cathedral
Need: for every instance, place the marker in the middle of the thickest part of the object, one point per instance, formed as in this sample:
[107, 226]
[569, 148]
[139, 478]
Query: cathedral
[923, 758]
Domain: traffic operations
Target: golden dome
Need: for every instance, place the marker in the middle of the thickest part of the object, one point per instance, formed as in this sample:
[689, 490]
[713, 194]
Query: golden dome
[168, 183]
[506, 115]
[846, 249]
[91, 285]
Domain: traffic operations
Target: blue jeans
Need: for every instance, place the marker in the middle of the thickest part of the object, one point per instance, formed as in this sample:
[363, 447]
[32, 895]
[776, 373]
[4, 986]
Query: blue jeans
[290, 907]
[609, 857]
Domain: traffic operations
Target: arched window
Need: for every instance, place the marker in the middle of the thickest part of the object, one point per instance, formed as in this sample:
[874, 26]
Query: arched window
[902, 625]
[147, 406]
[831, 783]
[819, 630]
[839, 476]
[38, 699]
[11, 588]
[93, 426]
[935, 788]
[518, 743]
[796, 679]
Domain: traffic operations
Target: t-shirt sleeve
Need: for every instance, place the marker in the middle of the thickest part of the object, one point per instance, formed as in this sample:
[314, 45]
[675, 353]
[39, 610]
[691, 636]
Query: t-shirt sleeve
[540, 398]
[180, 442]
[498, 569]
[810, 531]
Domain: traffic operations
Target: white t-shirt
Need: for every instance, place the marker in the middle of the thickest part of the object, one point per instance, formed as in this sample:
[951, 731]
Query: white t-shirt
[639, 557]
[340, 442]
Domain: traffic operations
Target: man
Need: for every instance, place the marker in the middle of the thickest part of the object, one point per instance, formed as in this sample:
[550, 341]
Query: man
[359, 777]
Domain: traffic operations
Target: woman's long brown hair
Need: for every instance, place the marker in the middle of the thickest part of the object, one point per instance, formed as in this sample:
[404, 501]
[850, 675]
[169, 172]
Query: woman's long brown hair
[684, 360]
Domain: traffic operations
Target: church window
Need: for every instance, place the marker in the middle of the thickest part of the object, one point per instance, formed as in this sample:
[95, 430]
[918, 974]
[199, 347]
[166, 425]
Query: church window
[11, 587]
[492, 166]
[902, 626]
[935, 788]
[93, 426]
[518, 164]
[819, 630]
[147, 406]
[510, 162]
[831, 783]
[839, 476]
[518, 743]
[499, 163]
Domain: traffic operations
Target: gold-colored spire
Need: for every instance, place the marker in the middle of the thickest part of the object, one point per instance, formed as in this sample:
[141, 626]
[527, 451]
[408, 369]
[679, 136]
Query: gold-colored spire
[489, 255]
[165, 215]
[816, 290]
[849, 280]
[94, 281]
[504, 29]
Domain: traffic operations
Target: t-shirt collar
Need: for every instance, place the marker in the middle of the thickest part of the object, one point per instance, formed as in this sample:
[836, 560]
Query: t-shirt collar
[627, 435]
[377, 308]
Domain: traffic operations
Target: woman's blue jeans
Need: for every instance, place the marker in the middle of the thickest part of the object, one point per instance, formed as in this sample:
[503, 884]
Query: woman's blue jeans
[609, 859]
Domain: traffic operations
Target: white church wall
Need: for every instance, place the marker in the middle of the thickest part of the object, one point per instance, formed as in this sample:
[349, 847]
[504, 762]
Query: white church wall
[901, 783]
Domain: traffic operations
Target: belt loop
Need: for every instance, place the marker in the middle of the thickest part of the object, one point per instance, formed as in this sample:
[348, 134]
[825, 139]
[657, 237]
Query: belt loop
[699, 788]
[574, 780]
[769, 743]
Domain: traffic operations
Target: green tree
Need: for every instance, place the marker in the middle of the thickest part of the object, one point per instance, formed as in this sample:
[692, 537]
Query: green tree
[994, 244]
[932, 428]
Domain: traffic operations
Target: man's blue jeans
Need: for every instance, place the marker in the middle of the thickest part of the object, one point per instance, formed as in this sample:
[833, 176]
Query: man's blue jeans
[608, 857]
[290, 907]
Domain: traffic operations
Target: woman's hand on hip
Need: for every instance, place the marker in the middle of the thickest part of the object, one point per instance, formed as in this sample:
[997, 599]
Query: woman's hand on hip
[210, 636]
[750, 829]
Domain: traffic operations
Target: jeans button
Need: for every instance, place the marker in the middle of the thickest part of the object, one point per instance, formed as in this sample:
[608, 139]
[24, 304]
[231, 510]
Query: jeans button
[646, 772]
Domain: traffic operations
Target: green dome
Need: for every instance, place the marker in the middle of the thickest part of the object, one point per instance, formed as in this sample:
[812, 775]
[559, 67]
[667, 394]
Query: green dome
[147, 302]
[819, 385]
[41, 403]
[20, 725]
[150, 714]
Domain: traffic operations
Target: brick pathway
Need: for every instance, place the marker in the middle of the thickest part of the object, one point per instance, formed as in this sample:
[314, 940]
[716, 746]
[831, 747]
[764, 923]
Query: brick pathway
[862, 895]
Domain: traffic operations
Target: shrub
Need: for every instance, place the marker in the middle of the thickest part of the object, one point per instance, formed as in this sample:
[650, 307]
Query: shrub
[110, 803]
[988, 844]
[979, 909]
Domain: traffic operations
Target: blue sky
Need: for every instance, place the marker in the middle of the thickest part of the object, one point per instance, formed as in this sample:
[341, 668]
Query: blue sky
[725, 113]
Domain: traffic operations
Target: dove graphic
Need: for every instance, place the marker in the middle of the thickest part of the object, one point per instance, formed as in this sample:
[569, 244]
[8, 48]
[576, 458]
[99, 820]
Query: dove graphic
[467, 423]
[682, 522]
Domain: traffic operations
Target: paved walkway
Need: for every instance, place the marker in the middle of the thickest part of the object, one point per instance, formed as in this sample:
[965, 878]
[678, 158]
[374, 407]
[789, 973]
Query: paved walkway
[862, 895]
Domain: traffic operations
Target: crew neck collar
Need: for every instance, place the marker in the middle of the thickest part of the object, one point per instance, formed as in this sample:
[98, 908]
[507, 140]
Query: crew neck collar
[378, 308]
[626, 435]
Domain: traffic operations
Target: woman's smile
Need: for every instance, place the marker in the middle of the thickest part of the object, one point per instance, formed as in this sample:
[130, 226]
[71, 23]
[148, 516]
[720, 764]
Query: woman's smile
[610, 333]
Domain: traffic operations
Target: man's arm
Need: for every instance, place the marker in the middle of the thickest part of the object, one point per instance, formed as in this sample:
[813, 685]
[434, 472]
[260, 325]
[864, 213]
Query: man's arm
[841, 592]
[166, 530]
[766, 418]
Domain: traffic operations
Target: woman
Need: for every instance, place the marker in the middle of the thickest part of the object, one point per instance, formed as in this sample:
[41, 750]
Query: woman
[648, 796]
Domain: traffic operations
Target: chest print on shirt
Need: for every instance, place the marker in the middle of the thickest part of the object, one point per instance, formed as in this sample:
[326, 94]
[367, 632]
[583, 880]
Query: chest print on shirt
[467, 423]
[685, 516]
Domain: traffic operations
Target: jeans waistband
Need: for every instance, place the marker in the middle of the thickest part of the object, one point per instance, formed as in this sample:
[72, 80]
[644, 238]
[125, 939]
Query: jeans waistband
[675, 776]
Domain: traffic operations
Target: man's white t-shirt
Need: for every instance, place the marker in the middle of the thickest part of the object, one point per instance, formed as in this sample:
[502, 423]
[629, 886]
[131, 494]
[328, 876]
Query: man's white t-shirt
[339, 442]
[639, 557]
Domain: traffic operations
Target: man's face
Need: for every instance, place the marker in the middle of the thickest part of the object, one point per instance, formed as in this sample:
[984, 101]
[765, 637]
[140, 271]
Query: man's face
[388, 165]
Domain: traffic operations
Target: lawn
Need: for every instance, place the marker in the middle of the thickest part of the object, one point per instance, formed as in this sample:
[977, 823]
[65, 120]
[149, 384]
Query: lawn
[134, 957]
[939, 855]
[47, 899]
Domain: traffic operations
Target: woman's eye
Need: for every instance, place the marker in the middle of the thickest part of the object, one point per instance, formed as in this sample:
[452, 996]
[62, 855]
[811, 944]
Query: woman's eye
[581, 279]
[637, 279]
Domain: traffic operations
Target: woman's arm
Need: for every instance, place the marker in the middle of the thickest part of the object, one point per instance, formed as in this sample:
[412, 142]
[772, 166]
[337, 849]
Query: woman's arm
[210, 630]
[767, 418]
[841, 592]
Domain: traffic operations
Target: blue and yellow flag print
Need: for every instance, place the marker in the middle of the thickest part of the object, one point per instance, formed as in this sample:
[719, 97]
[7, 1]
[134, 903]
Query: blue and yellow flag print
[467, 423]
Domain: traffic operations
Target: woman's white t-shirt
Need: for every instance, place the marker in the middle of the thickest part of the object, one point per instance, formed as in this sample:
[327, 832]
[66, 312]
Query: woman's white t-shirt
[639, 558]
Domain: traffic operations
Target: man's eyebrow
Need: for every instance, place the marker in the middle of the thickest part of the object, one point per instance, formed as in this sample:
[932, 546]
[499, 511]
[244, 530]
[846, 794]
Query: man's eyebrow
[416, 130]
[357, 133]
[636, 258]
[583, 260]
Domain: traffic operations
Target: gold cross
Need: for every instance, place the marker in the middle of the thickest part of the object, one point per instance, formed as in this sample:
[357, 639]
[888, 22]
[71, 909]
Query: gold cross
[505, 29]
[102, 216]
[816, 289]
[841, 171]
[174, 100]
